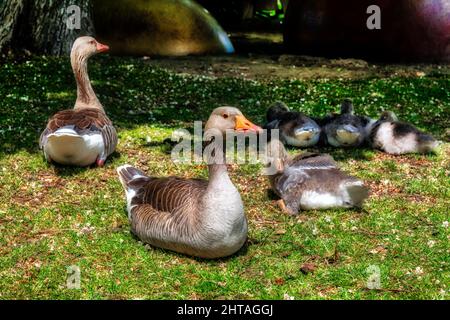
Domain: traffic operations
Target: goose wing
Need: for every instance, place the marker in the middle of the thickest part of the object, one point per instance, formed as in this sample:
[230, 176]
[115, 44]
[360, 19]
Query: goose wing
[300, 172]
[172, 193]
[311, 161]
[83, 121]
[165, 210]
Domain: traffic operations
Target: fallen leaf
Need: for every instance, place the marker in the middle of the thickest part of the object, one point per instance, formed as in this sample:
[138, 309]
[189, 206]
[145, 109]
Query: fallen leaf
[308, 268]
[378, 250]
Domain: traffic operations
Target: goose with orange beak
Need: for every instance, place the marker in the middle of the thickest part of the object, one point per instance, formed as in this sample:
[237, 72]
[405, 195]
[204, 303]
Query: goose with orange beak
[231, 118]
[83, 135]
[202, 218]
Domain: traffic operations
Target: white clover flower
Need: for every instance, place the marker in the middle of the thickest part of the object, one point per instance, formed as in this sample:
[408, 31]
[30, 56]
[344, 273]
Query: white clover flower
[86, 229]
[288, 297]
[418, 271]
[315, 231]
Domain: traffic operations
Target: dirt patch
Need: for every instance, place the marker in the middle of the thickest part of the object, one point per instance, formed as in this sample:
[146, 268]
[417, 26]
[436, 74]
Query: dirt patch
[268, 67]
[413, 162]
[261, 56]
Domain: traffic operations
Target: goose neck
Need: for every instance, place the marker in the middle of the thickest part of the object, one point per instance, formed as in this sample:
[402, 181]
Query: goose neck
[217, 168]
[86, 97]
[217, 172]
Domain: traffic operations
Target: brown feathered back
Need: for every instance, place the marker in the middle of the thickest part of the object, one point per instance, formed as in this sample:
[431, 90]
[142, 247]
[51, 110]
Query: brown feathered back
[83, 121]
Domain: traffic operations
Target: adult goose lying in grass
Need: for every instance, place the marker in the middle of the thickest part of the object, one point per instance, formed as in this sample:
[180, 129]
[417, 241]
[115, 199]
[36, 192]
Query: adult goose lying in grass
[395, 137]
[345, 129]
[83, 135]
[203, 218]
[296, 129]
[311, 181]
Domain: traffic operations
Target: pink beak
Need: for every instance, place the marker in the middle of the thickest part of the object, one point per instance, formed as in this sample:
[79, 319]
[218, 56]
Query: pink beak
[102, 47]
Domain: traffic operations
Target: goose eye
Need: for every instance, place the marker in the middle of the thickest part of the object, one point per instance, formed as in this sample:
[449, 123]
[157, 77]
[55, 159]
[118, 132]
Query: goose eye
[225, 116]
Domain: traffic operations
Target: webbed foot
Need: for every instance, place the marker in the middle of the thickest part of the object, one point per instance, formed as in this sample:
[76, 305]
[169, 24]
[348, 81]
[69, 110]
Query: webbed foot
[284, 208]
[100, 162]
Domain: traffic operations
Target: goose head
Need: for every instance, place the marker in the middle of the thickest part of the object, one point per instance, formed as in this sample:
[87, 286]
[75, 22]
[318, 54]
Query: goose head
[388, 116]
[228, 118]
[222, 121]
[276, 110]
[86, 47]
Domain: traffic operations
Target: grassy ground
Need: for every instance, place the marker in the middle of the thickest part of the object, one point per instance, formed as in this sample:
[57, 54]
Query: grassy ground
[53, 217]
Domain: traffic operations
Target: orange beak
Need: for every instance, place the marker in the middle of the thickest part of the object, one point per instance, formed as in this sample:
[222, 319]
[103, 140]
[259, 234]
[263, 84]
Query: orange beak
[102, 47]
[242, 124]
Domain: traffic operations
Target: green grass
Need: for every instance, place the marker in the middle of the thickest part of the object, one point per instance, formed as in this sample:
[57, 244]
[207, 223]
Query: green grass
[53, 217]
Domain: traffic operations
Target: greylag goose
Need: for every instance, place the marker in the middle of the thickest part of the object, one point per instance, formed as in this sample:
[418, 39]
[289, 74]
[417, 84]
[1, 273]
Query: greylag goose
[191, 216]
[83, 135]
[395, 137]
[345, 129]
[311, 181]
[296, 129]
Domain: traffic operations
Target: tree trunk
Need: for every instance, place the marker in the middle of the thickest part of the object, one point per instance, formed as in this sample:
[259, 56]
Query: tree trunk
[40, 25]
[9, 14]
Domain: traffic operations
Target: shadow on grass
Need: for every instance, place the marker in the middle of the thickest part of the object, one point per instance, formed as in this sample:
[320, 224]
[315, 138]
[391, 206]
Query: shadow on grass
[166, 145]
[344, 154]
[338, 154]
[241, 252]
[135, 93]
[64, 171]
